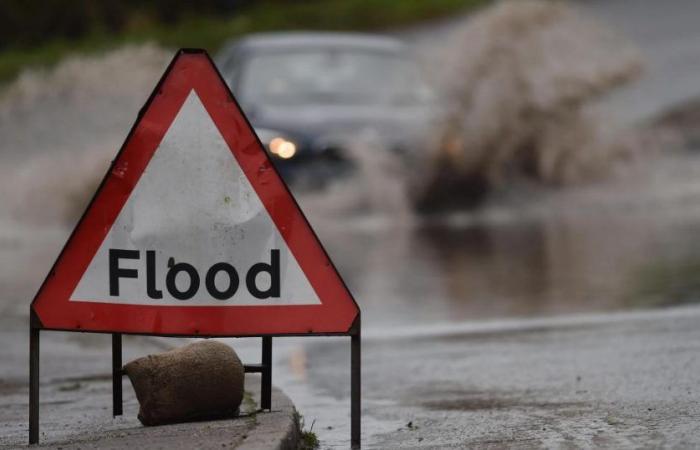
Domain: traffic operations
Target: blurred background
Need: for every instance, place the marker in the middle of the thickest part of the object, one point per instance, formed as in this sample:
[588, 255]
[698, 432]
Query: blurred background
[462, 160]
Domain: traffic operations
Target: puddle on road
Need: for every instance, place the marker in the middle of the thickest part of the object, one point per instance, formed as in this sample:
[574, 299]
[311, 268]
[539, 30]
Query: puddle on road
[461, 267]
[453, 269]
[485, 400]
[530, 267]
[404, 272]
[492, 266]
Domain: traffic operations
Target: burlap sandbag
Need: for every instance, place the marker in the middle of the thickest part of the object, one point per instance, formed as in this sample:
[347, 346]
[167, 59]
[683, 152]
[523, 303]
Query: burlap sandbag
[203, 380]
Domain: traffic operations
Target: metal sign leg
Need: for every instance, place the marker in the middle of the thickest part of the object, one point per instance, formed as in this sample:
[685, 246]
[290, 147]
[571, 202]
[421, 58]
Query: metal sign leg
[355, 388]
[266, 382]
[34, 385]
[116, 374]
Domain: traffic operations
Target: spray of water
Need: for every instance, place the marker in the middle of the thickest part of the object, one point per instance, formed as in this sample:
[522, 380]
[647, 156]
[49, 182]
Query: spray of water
[377, 184]
[62, 126]
[520, 79]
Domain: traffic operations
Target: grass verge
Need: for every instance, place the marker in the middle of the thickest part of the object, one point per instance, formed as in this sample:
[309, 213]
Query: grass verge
[307, 438]
[211, 32]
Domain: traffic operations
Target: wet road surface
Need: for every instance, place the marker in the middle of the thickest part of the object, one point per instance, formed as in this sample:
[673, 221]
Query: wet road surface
[589, 381]
[627, 244]
[467, 275]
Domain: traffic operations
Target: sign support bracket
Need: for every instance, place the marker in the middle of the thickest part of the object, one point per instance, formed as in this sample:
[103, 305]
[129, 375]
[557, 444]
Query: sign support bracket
[117, 374]
[355, 383]
[34, 352]
[265, 368]
[266, 379]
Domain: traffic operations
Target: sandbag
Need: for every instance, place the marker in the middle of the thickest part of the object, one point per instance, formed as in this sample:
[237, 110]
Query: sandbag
[199, 381]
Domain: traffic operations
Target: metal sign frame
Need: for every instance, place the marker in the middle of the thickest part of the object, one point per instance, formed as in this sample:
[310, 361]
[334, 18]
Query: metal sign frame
[264, 368]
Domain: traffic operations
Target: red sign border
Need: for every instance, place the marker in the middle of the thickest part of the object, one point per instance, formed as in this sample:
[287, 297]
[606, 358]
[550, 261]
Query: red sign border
[194, 69]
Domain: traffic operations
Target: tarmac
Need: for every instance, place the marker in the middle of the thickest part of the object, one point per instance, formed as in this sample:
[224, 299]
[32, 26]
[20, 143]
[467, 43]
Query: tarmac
[76, 400]
[615, 380]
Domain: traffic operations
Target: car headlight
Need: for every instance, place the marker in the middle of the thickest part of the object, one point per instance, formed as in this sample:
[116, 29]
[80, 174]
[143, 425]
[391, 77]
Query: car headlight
[282, 147]
[277, 144]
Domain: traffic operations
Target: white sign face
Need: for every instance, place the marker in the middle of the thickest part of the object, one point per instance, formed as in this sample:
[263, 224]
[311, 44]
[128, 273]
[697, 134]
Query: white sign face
[194, 232]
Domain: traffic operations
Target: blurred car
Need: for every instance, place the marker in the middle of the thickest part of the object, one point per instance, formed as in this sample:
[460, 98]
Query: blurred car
[309, 95]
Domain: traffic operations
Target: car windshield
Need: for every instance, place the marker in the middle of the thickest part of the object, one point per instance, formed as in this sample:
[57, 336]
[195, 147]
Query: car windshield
[332, 76]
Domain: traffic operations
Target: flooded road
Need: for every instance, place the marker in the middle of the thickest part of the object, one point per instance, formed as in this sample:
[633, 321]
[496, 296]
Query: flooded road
[512, 266]
[630, 243]
[619, 381]
[591, 250]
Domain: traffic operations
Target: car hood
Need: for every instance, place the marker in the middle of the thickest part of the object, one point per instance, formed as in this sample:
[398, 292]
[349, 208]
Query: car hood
[310, 123]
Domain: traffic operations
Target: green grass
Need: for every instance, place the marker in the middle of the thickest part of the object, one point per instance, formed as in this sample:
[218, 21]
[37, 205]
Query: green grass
[308, 441]
[211, 32]
[249, 405]
[664, 283]
[307, 438]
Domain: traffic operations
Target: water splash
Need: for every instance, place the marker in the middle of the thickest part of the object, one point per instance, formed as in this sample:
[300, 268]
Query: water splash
[377, 186]
[521, 78]
[62, 126]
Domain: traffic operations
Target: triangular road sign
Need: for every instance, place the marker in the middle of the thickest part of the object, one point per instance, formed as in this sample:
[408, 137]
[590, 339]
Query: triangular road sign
[193, 232]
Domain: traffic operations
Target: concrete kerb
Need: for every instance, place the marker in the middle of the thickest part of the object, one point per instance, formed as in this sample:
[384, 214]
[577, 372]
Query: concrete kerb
[76, 408]
[276, 429]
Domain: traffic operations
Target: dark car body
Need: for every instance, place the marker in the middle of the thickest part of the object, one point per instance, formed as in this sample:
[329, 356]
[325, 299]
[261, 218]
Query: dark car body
[321, 90]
